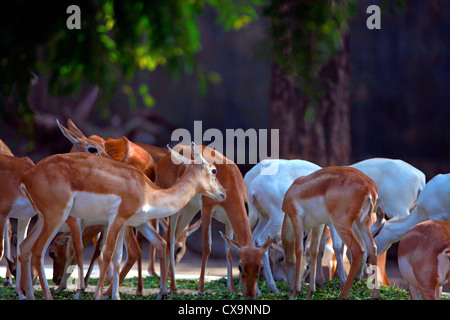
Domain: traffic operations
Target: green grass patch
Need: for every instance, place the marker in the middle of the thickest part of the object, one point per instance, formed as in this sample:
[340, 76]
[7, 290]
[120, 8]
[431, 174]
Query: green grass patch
[217, 290]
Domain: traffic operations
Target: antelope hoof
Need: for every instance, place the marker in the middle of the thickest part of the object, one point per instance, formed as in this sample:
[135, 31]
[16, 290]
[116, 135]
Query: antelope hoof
[161, 296]
[293, 295]
[139, 293]
[7, 283]
[275, 290]
[77, 295]
[341, 297]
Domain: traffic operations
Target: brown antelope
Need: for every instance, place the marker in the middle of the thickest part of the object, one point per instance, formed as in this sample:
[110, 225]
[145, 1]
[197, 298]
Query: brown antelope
[231, 212]
[424, 259]
[4, 149]
[19, 207]
[140, 155]
[267, 183]
[100, 189]
[340, 196]
[125, 151]
[12, 203]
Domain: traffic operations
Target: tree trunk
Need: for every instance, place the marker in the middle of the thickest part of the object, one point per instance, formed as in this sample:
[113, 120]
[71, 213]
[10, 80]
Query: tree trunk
[324, 138]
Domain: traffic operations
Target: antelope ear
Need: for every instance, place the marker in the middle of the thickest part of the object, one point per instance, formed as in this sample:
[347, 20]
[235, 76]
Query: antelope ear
[178, 158]
[198, 159]
[266, 244]
[233, 244]
[75, 130]
[193, 227]
[67, 133]
[97, 138]
[63, 241]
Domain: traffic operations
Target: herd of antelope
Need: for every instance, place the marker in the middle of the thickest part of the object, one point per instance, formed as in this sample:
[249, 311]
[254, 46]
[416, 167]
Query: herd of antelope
[114, 190]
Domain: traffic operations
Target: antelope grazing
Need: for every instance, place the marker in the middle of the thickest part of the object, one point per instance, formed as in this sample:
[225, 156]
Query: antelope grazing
[424, 259]
[62, 252]
[180, 245]
[433, 204]
[61, 249]
[341, 196]
[277, 261]
[100, 189]
[231, 212]
[266, 190]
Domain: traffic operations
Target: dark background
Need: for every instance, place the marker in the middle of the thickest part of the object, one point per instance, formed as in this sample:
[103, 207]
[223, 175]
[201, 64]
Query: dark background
[399, 86]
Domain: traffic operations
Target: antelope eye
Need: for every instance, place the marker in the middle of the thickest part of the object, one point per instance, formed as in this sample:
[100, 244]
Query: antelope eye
[240, 267]
[92, 150]
[214, 171]
[280, 259]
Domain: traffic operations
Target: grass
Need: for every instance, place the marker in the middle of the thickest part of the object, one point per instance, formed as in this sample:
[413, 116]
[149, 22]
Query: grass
[217, 290]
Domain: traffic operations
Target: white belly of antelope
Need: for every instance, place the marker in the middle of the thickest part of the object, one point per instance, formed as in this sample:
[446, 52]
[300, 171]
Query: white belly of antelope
[93, 206]
[147, 212]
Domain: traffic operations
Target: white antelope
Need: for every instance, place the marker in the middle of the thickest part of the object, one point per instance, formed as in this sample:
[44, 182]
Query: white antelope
[398, 183]
[267, 183]
[99, 189]
[424, 259]
[433, 203]
[342, 196]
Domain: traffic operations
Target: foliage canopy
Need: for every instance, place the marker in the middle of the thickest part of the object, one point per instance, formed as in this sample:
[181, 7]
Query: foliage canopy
[116, 39]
